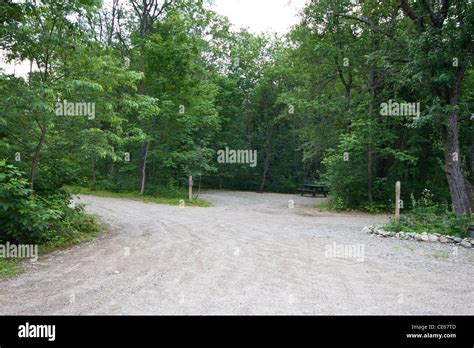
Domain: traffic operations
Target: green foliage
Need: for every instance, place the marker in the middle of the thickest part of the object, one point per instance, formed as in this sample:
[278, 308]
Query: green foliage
[23, 216]
[429, 216]
[10, 268]
[159, 195]
[347, 176]
[30, 218]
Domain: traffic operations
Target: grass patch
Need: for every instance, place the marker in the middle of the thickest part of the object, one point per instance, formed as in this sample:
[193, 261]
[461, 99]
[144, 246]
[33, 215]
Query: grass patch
[441, 256]
[323, 206]
[442, 222]
[85, 230]
[138, 197]
[10, 268]
[90, 227]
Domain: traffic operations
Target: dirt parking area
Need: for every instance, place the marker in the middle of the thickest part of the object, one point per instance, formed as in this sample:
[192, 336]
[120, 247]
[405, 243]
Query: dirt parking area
[248, 254]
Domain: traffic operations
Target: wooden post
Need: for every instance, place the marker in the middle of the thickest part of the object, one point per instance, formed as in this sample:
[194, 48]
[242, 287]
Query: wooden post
[190, 188]
[397, 200]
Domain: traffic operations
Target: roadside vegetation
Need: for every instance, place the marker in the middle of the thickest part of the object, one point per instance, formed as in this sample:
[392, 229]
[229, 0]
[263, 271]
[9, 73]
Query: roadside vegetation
[10, 268]
[174, 197]
[44, 217]
[429, 216]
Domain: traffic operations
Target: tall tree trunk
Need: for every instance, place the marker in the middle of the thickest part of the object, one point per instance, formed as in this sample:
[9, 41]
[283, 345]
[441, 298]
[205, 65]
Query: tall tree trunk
[370, 177]
[143, 149]
[457, 182]
[266, 164]
[370, 154]
[35, 163]
[142, 165]
[148, 12]
[94, 178]
[370, 151]
[472, 148]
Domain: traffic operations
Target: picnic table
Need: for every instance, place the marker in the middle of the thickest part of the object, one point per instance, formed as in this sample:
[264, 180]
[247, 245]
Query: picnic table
[314, 188]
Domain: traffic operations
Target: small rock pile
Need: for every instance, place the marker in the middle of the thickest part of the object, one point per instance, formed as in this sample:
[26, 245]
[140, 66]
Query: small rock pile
[422, 237]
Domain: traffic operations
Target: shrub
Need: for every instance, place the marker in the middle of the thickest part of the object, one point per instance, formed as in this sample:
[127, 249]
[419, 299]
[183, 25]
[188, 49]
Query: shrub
[29, 218]
[428, 216]
[347, 181]
[22, 215]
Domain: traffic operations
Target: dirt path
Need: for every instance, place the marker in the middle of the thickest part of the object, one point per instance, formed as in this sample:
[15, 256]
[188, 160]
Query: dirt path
[249, 254]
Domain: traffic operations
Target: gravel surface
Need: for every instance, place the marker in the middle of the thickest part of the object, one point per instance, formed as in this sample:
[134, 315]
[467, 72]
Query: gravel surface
[248, 254]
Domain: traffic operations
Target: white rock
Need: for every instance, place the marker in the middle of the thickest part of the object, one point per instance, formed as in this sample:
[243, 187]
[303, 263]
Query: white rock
[466, 244]
[433, 238]
[424, 237]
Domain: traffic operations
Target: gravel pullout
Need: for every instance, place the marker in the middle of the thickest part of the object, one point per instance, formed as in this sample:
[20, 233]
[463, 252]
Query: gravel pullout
[248, 254]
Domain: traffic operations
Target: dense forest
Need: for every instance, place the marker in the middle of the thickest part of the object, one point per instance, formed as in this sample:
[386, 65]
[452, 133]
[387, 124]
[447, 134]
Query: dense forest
[136, 96]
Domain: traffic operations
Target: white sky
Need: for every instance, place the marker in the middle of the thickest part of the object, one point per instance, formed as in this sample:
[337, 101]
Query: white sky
[261, 15]
[257, 15]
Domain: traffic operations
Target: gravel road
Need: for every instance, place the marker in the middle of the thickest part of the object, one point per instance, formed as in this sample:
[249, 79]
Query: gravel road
[248, 254]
